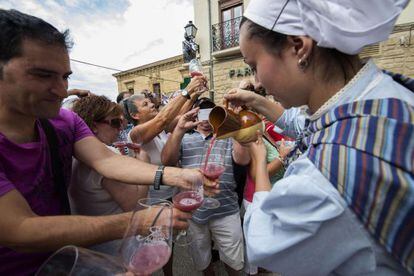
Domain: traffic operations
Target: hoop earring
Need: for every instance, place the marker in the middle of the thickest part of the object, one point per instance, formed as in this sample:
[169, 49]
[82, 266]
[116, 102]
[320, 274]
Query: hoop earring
[303, 64]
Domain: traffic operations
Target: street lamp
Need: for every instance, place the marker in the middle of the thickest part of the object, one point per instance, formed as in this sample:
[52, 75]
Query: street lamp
[190, 48]
[190, 30]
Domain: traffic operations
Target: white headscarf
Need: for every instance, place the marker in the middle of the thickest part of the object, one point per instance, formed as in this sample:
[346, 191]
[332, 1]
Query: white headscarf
[346, 25]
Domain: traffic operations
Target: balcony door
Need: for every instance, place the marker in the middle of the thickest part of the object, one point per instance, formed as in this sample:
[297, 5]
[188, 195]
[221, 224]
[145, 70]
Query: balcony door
[231, 12]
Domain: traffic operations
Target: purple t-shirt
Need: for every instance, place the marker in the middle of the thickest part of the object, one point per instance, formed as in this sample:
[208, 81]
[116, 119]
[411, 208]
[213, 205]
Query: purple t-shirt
[27, 168]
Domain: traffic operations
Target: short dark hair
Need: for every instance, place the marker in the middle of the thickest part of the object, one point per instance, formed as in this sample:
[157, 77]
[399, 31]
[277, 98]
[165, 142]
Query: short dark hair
[130, 107]
[16, 26]
[204, 103]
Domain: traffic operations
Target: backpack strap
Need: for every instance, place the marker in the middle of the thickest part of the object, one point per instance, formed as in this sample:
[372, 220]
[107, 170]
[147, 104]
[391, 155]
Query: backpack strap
[58, 178]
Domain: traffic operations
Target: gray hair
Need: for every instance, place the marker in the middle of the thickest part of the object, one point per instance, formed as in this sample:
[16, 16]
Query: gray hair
[130, 107]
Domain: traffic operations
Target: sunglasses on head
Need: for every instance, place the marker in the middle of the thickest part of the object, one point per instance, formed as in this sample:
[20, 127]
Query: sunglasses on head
[115, 123]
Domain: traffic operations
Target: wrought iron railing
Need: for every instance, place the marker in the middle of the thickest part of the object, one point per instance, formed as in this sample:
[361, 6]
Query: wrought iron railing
[226, 34]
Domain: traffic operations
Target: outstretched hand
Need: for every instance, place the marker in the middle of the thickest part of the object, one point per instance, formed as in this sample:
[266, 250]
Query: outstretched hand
[197, 85]
[187, 177]
[258, 150]
[188, 120]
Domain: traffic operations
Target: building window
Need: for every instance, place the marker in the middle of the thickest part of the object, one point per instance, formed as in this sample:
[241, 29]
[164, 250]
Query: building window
[226, 33]
[156, 88]
[130, 86]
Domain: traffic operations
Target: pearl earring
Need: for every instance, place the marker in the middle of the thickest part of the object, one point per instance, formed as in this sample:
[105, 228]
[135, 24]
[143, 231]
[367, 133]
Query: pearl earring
[303, 63]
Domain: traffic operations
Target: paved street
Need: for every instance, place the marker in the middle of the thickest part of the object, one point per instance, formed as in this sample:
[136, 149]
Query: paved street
[183, 265]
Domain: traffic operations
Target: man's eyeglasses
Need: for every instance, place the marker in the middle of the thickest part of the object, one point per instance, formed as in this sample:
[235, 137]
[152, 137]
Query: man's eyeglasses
[115, 123]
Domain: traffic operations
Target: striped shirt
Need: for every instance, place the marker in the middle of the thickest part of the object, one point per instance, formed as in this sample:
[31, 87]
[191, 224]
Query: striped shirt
[191, 156]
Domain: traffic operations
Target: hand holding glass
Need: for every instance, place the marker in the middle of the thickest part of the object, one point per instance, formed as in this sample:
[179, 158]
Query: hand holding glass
[195, 68]
[146, 246]
[213, 166]
[187, 201]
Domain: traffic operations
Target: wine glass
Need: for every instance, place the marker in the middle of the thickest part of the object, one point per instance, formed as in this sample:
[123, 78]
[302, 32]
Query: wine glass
[187, 201]
[213, 166]
[195, 68]
[73, 260]
[146, 246]
[127, 147]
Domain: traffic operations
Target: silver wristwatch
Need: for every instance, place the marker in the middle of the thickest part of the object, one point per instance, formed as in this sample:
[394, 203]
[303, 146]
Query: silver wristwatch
[185, 93]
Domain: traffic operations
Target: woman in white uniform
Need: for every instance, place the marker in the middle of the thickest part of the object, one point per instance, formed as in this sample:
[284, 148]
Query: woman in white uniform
[346, 203]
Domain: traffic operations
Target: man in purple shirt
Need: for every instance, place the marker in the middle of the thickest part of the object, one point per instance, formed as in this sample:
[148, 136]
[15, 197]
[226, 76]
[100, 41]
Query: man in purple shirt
[34, 71]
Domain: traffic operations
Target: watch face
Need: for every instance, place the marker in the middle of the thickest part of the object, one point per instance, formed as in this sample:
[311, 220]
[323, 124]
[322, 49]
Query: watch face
[185, 93]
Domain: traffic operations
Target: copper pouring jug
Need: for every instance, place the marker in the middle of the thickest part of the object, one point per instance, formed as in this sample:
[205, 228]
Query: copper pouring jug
[242, 127]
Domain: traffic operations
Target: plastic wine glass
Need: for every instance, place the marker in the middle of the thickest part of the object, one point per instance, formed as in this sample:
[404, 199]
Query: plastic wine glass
[126, 147]
[213, 166]
[73, 260]
[195, 68]
[146, 246]
[187, 201]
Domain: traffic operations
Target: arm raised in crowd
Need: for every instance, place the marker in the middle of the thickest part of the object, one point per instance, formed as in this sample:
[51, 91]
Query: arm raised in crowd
[171, 151]
[258, 166]
[186, 107]
[79, 92]
[146, 131]
[274, 166]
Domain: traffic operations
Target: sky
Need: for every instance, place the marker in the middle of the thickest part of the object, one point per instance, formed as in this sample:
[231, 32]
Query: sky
[120, 34]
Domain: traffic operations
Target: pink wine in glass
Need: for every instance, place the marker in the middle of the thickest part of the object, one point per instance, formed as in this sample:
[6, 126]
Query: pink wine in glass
[187, 201]
[195, 73]
[213, 171]
[120, 145]
[134, 146]
[149, 258]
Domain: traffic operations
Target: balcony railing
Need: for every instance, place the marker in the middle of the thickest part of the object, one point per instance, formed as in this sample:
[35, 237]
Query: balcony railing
[226, 34]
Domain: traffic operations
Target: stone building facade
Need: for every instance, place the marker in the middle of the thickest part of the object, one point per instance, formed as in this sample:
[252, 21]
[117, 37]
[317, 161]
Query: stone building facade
[217, 36]
[163, 76]
[397, 53]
